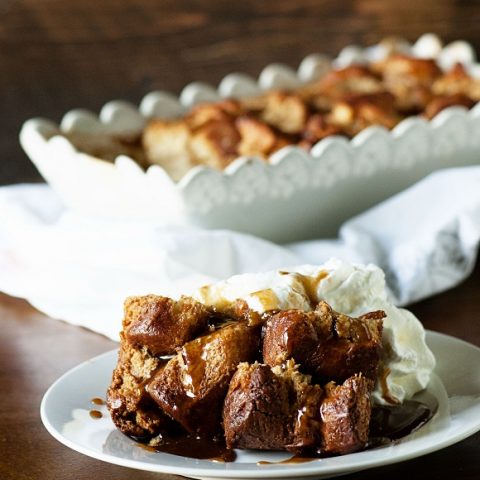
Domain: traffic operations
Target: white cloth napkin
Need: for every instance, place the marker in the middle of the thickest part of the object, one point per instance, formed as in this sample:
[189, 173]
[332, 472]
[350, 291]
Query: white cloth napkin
[80, 269]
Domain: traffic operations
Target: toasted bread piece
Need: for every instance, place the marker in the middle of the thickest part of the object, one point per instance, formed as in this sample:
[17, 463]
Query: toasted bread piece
[193, 384]
[357, 112]
[317, 128]
[457, 81]
[452, 82]
[328, 345]
[271, 409]
[215, 143]
[257, 138]
[152, 326]
[131, 408]
[409, 69]
[166, 143]
[354, 79]
[345, 412]
[285, 111]
[409, 79]
[204, 113]
[161, 324]
[305, 399]
[256, 409]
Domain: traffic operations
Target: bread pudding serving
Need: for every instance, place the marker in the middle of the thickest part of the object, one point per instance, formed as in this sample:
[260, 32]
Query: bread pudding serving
[268, 362]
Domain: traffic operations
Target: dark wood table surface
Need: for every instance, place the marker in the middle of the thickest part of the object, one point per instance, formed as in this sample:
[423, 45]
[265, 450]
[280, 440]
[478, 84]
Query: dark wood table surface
[60, 54]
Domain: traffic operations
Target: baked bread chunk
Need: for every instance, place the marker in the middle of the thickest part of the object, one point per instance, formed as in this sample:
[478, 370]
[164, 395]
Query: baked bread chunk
[192, 386]
[345, 413]
[152, 326]
[271, 409]
[327, 344]
[161, 324]
[132, 410]
[278, 408]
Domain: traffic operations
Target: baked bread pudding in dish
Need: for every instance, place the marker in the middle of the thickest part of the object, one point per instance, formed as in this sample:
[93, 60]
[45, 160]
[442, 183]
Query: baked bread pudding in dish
[342, 102]
[268, 362]
[250, 153]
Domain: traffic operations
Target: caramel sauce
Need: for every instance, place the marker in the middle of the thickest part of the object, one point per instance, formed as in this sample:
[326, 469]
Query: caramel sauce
[382, 379]
[147, 447]
[96, 414]
[211, 299]
[193, 447]
[388, 424]
[391, 423]
[197, 355]
[97, 401]
[310, 285]
[267, 298]
[289, 461]
[194, 358]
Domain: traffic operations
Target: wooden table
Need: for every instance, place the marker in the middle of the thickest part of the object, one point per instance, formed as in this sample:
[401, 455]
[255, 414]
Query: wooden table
[35, 350]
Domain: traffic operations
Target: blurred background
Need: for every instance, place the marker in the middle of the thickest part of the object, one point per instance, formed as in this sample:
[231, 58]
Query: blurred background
[56, 55]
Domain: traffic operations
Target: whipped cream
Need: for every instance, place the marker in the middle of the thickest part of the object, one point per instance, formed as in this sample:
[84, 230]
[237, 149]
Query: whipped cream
[352, 289]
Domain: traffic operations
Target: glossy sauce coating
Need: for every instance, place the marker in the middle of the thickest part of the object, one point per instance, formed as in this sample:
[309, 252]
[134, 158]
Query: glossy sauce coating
[388, 424]
[195, 447]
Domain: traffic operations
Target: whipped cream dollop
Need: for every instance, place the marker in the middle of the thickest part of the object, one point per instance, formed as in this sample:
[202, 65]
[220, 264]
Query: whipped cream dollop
[407, 362]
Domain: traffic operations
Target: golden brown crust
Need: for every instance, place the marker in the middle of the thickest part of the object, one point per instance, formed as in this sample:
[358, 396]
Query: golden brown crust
[161, 324]
[257, 138]
[285, 111]
[256, 409]
[215, 143]
[131, 408]
[166, 143]
[345, 413]
[272, 409]
[356, 112]
[326, 344]
[192, 386]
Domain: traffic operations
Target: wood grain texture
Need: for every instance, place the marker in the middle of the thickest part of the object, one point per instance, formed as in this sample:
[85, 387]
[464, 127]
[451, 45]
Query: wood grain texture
[35, 350]
[58, 54]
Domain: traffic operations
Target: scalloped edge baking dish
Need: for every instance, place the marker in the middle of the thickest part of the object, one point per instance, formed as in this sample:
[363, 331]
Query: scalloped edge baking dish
[295, 195]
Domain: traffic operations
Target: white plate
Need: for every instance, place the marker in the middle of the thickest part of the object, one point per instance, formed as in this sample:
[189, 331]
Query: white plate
[66, 405]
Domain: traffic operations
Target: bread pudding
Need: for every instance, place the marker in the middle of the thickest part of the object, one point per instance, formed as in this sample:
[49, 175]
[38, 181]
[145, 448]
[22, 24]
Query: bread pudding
[227, 381]
[343, 101]
[299, 379]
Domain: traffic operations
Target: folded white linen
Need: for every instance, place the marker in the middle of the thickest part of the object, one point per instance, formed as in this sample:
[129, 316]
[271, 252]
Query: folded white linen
[80, 269]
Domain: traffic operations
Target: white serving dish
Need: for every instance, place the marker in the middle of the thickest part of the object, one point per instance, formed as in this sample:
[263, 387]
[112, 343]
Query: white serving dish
[295, 195]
